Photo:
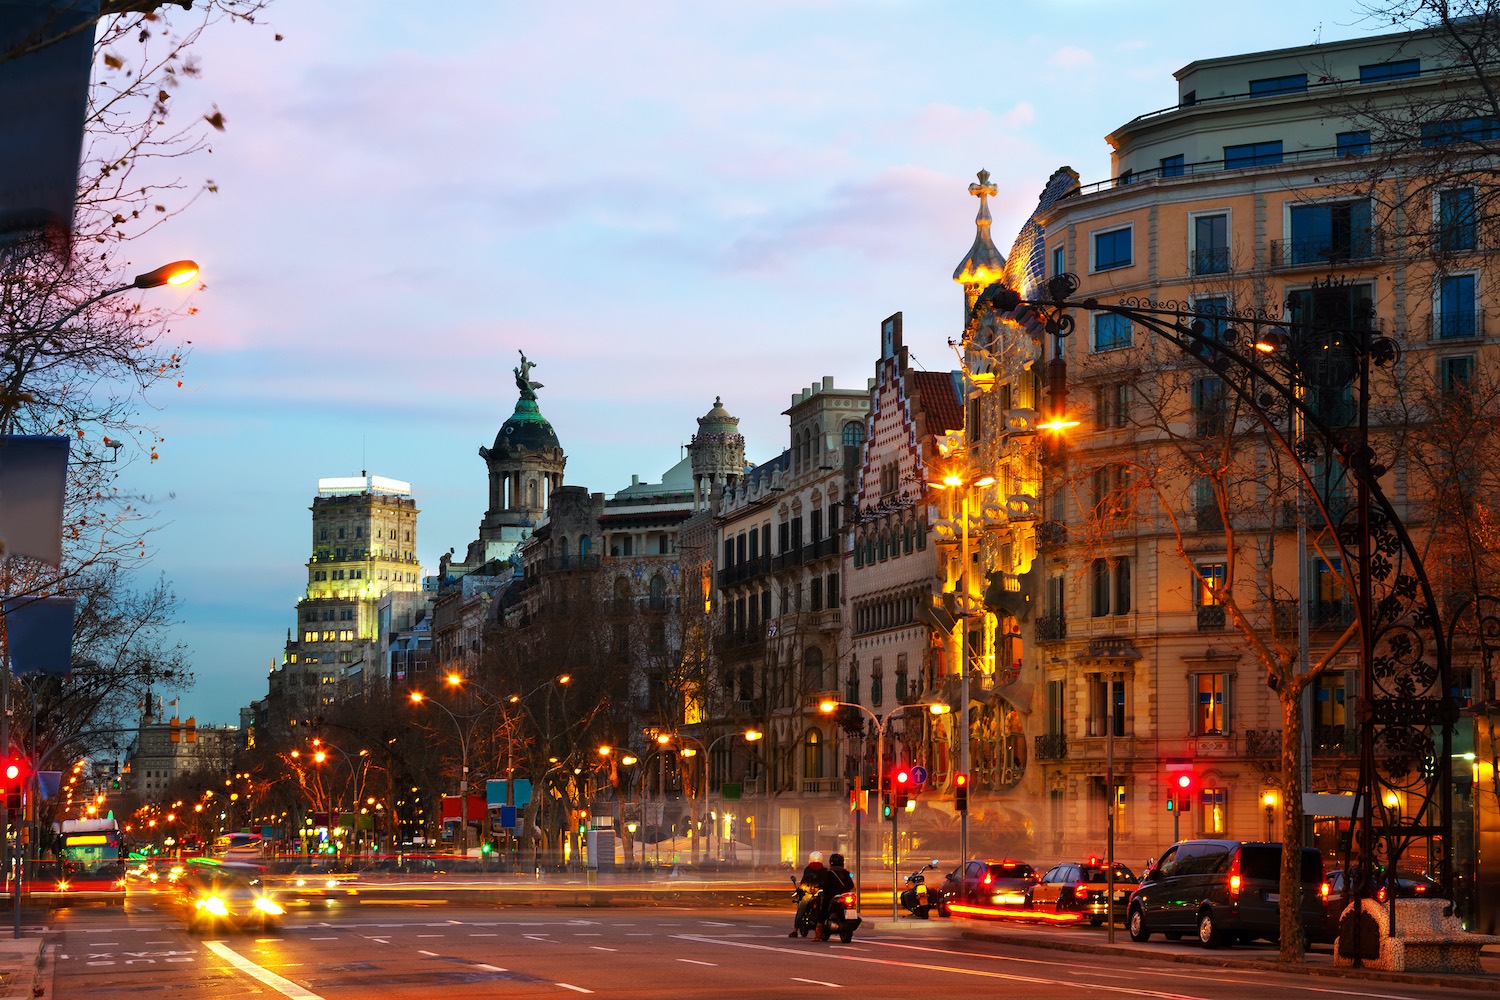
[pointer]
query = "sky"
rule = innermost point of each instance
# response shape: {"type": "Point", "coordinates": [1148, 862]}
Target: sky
{"type": "Point", "coordinates": [659, 202]}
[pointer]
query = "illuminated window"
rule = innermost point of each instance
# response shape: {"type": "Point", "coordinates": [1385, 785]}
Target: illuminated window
{"type": "Point", "coordinates": [1211, 704]}
{"type": "Point", "coordinates": [1213, 816]}
{"type": "Point", "coordinates": [1211, 577]}
{"type": "Point", "coordinates": [309, 637]}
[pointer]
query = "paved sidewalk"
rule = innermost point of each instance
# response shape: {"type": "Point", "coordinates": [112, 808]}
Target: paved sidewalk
{"type": "Point", "coordinates": [21, 967]}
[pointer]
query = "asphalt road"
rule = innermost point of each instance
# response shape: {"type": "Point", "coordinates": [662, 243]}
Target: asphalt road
{"type": "Point", "coordinates": [445, 951]}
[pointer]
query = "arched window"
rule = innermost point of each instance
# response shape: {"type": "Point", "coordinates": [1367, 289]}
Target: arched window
{"type": "Point", "coordinates": [854, 433]}
{"type": "Point", "coordinates": [585, 546]}
{"type": "Point", "coordinates": [812, 758]}
{"type": "Point", "coordinates": [658, 593]}
{"type": "Point", "coordinates": [1099, 588]}
{"type": "Point", "coordinates": [812, 669]}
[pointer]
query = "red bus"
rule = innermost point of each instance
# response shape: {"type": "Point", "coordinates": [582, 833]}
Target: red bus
{"type": "Point", "coordinates": [91, 866]}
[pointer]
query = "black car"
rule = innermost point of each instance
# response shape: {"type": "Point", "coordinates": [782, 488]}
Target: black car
{"type": "Point", "coordinates": [987, 883]}
{"type": "Point", "coordinates": [223, 897]}
{"type": "Point", "coordinates": [1224, 891]}
{"type": "Point", "coordinates": [1082, 887]}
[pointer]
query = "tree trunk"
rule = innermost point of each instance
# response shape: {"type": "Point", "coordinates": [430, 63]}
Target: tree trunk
{"type": "Point", "coordinates": [1292, 934]}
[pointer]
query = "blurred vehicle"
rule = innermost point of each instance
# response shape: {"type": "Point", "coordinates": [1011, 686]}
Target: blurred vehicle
{"type": "Point", "coordinates": [919, 898]}
{"type": "Point", "coordinates": [216, 898]}
{"type": "Point", "coordinates": [1083, 887]}
{"type": "Point", "coordinates": [843, 918]}
{"type": "Point", "coordinates": [92, 869]}
{"type": "Point", "coordinates": [1337, 891]}
{"type": "Point", "coordinates": [1226, 891]}
{"type": "Point", "coordinates": [987, 883]}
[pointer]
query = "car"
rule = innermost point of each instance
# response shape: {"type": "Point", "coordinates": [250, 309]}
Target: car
{"type": "Point", "coordinates": [1225, 891]}
{"type": "Point", "coordinates": [215, 898]}
{"type": "Point", "coordinates": [987, 883]}
{"type": "Point", "coordinates": [1083, 887]}
{"type": "Point", "coordinates": [1336, 892]}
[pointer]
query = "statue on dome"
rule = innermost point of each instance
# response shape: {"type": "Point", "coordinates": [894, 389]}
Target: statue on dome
{"type": "Point", "coordinates": [527, 387]}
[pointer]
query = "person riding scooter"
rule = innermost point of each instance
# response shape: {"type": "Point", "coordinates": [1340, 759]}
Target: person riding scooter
{"type": "Point", "coordinates": [836, 882]}
{"type": "Point", "coordinates": [809, 893]}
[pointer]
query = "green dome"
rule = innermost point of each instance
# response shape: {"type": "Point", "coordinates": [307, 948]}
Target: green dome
{"type": "Point", "coordinates": [526, 430]}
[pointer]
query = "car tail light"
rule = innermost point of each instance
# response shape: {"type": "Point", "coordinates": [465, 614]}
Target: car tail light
{"type": "Point", "coordinates": [988, 878]}
{"type": "Point", "coordinates": [1324, 890]}
{"type": "Point", "coordinates": [1234, 876]}
{"type": "Point", "coordinates": [1380, 894]}
{"type": "Point", "coordinates": [847, 899]}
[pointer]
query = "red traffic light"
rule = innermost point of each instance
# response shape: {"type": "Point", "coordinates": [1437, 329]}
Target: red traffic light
{"type": "Point", "coordinates": [903, 777]}
{"type": "Point", "coordinates": [12, 770]}
{"type": "Point", "coordinates": [960, 780]}
{"type": "Point", "coordinates": [1184, 781]}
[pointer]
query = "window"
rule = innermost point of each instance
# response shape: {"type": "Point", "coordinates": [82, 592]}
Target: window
{"type": "Point", "coordinates": [1213, 310]}
{"type": "Point", "coordinates": [1122, 585]}
{"type": "Point", "coordinates": [1293, 84]}
{"type": "Point", "coordinates": [812, 764]}
{"type": "Point", "coordinates": [1457, 227]}
{"type": "Point", "coordinates": [1099, 588]}
{"type": "Point", "coordinates": [1111, 332]}
{"type": "Point", "coordinates": [1210, 704]}
{"type": "Point", "coordinates": [1328, 600]}
{"type": "Point", "coordinates": [1456, 312]}
{"type": "Point", "coordinates": [1398, 69]}
{"type": "Point", "coordinates": [1456, 373]}
{"type": "Point", "coordinates": [1329, 232]}
{"type": "Point", "coordinates": [1213, 812]}
{"type": "Point", "coordinates": [832, 586]}
{"type": "Point", "coordinates": [1252, 154]}
{"type": "Point", "coordinates": [1059, 259]}
{"type": "Point", "coordinates": [1099, 709]}
{"type": "Point", "coordinates": [1210, 580]}
{"type": "Point", "coordinates": [1210, 406]}
{"type": "Point", "coordinates": [877, 682]}
{"type": "Point", "coordinates": [1112, 405]}
{"type": "Point", "coordinates": [854, 434]}
{"type": "Point", "coordinates": [1352, 143]}
{"type": "Point", "coordinates": [812, 669]}
{"type": "Point", "coordinates": [1211, 244]}
{"type": "Point", "coordinates": [1329, 695]}
{"type": "Point", "coordinates": [1112, 249]}
{"type": "Point", "coordinates": [1172, 166]}
{"type": "Point", "coordinates": [1055, 702]}
{"type": "Point", "coordinates": [902, 679]}
{"type": "Point", "coordinates": [1446, 133]}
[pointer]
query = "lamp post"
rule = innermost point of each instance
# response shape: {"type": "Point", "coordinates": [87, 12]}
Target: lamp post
{"type": "Point", "coordinates": [418, 698]}
{"type": "Point", "coordinates": [750, 735]}
{"type": "Point", "coordinates": [828, 706]}
{"type": "Point", "coordinates": [179, 272]}
{"type": "Point", "coordinates": [967, 484]}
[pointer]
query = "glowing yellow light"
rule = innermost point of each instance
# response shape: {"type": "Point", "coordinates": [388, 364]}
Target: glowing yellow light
{"type": "Point", "coordinates": [689, 752]}
{"type": "Point", "coordinates": [1057, 424]}
{"type": "Point", "coordinates": [939, 709]}
{"type": "Point", "coordinates": [416, 696]}
{"type": "Point", "coordinates": [664, 739]}
{"type": "Point", "coordinates": [953, 479]}
{"type": "Point", "coordinates": [606, 751]}
{"type": "Point", "coordinates": [1391, 801]}
{"type": "Point", "coordinates": [985, 480]}
{"type": "Point", "coordinates": [455, 680]}
{"type": "Point", "coordinates": [1268, 799]}
{"type": "Point", "coordinates": [627, 759]}
{"type": "Point", "coordinates": [827, 705]}
{"type": "Point", "coordinates": [751, 735]}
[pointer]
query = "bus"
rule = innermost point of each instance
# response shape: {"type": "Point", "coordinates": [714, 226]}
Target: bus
{"type": "Point", "coordinates": [241, 847]}
{"type": "Point", "coordinates": [90, 866]}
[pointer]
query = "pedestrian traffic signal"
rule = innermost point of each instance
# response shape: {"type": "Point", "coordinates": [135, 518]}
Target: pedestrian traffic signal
{"type": "Point", "coordinates": [885, 805]}
{"type": "Point", "coordinates": [1171, 801]}
{"type": "Point", "coordinates": [961, 792]}
{"type": "Point", "coordinates": [1184, 793]}
{"type": "Point", "coordinates": [903, 788]}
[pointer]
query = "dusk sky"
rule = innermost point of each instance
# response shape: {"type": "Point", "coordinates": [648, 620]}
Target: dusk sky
{"type": "Point", "coordinates": [658, 202]}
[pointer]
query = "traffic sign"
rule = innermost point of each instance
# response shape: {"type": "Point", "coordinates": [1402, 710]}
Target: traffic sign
{"type": "Point", "coordinates": [918, 775]}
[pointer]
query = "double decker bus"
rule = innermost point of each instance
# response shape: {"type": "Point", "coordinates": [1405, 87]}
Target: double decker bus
{"type": "Point", "coordinates": [90, 866]}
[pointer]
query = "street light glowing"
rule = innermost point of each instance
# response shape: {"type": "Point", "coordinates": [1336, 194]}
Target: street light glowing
{"type": "Point", "coordinates": [416, 697]}
{"type": "Point", "coordinates": [827, 706]}
{"type": "Point", "coordinates": [751, 735]}
{"type": "Point", "coordinates": [937, 709]}
{"type": "Point", "coordinates": [454, 680]}
{"type": "Point", "coordinates": [179, 272]}
{"type": "Point", "coordinates": [664, 739]}
{"type": "Point", "coordinates": [606, 751]}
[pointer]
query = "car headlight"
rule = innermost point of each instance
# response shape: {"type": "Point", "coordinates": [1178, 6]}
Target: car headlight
{"type": "Point", "coordinates": [267, 905]}
{"type": "Point", "coordinates": [214, 905]}
{"type": "Point", "coordinates": [62, 886]}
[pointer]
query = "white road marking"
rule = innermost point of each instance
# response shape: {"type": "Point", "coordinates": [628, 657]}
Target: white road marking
{"type": "Point", "coordinates": [281, 985]}
{"type": "Point", "coordinates": [600, 947]}
{"type": "Point", "coordinates": [431, 935]}
{"type": "Point", "coordinates": [484, 935]}
{"type": "Point", "coordinates": [491, 968]}
{"type": "Point", "coordinates": [429, 954]}
{"type": "Point", "coordinates": [694, 961]}
{"type": "Point", "coordinates": [575, 989]}
{"type": "Point", "coordinates": [323, 939]}
{"type": "Point", "coordinates": [817, 982]}
{"type": "Point", "coordinates": [845, 956]}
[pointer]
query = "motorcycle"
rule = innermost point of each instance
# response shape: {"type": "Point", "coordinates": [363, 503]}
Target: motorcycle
{"type": "Point", "coordinates": [808, 904]}
{"type": "Point", "coordinates": [843, 918]}
{"type": "Point", "coordinates": [918, 897]}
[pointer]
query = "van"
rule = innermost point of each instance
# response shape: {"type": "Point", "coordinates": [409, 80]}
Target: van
{"type": "Point", "coordinates": [1224, 891]}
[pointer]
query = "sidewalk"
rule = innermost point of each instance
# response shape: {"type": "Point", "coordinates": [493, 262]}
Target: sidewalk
{"type": "Point", "coordinates": [21, 966]}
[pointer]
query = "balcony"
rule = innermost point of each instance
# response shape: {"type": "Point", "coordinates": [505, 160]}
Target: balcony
{"type": "Point", "coordinates": [1262, 743]}
{"type": "Point", "coordinates": [821, 786]}
{"type": "Point", "coordinates": [1330, 614]}
{"type": "Point", "coordinates": [1052, 533]}
{"type": "Point", "coordinates": [1335, 741]}
{"type": "Point", "coordinates": [1455, 325]}
{"type": "Point", "coordinates": [1210, 617]}
{"type": "Point", "coordinates": [1211, 260]}
{"type": "Point", "coordinates": [1052, 746]}
{"type": "Point", "coordinates": [1323, 251]}
{"type": "Point", "coordinates": [819, 550]}
{"type": "Point", "coordinates": [1209, 518]}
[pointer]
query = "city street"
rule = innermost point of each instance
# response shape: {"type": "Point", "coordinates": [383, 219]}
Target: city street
{"type": "Point", "coordinates": [412, 950]}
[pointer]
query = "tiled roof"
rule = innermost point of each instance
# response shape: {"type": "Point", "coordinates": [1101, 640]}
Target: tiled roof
{"type": "Point", "coordinates": [937, 394]}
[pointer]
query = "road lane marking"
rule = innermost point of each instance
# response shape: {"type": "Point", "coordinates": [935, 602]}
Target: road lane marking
{"type": "Point", "coordinates": [575, 989]}
{"type": "Point", "coordinates": [694, 961]}
{"type": "Point", "coordinates": [1309, 989]}
{"type": "Point", "coordinates": [280, 984]}
{"type": "Point", "coordinates": [817, 982]}
{"type": "Point", "coordinates": [844, 956]}
{"type": "Point", "coordinates": [489, 968]}
{"type": "Point", "coordinates": [600, 947]}
{"type": "Point", "coordinates": [431, 935]}
{"type": "Point", "coordinates": [429, 954]}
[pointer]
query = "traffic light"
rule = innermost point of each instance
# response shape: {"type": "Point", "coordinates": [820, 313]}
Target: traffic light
{"type": "Point", "coordinates": [961, 792]}
{"type": "Point", "coordinates": [1171, 801]}
{"type": "Point", "coordinates": [885, 805]}
{"type": "Point", "coordinates": [903, 788]}
{"type": "Point", "coordinates": [15, 774]}
{"type": "Point", "coordinates": [1184, 793]}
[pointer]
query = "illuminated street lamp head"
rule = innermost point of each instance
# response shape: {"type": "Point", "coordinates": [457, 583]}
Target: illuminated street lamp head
{"type": "Point", "coordinates": [1268, 799]}
{"type": "Point", "coordinates": [689, 752]}
{"type": "Point", "coordinates": [564, 678]}
{"type": "Point", "coordinates": [985, 480]}
{"type": "Point", "coordinates": [606, 751]}
{"type": "Point", "coordinates": [936, 708]}
{"type": "Point", "coordinates": [663, 739]}
{"type": "Point", "coordinates": [454, 680]}
{"type": "Point", "coordinates": [827, 706]}
{"type": "Point", "coordinates": [416, 697]}
{"type": "Point", "coordinates": [751, 735]}
{"type": "Point", "coordinates": [627, 759]}
{"type": "Point", "coordinates": [1272, 340]}
{"type": "Point", "coordinates": [320, 756]}
{"type": "Point", "coordinates": [179, 272]}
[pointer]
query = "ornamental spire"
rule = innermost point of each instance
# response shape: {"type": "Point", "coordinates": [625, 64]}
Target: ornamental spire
{"type": "Point", "coordinates": [983, 265]}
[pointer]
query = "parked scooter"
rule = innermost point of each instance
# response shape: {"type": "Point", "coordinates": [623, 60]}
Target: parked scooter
{"type": "Point", "coordinates": [808, 904]}
{"type": "Point", "coordinates": [918, 897]}
{"type": "Point", "coordinates": [843, 918]}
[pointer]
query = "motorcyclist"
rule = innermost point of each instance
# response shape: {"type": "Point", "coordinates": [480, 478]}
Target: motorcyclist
{"type": "Point", "coordinates": [807, 888]}
{"type": "Point", "coordinates": [836, 881]}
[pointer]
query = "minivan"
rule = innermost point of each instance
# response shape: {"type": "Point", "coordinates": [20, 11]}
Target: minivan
{"type": "Point", "coordinates": [1224, 891]}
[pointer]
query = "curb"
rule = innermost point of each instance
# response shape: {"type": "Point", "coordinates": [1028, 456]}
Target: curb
{"type": "Point", "coordinates": [1488, 982]}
